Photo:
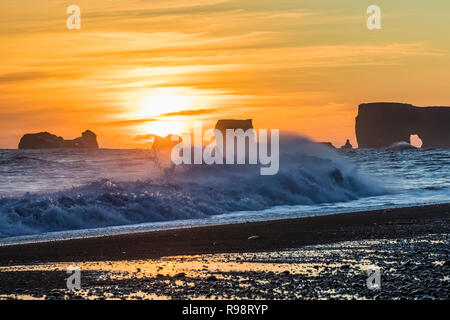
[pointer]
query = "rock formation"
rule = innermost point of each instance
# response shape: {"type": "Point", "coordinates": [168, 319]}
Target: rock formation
{"type": "Point", "coordinates": [347, 145]}
{"type": "Point", "coordinates": [379, 125]}
{"type": "Point", "coordinates": [233, 124]}
{"type": "Point", "coordinates": [166, 143]}
{"type": "Point", "coordinates": [45, 140]}
{"type": "Point", "coordinates": [225, 124]}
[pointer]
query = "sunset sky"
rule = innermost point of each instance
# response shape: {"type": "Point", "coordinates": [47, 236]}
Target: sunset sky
{"type": "Point", "coordinates": [154, 66]}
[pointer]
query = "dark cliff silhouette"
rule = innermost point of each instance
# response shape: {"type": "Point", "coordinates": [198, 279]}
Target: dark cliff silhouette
{"type": "Point", "coordinates": [233, 124]}
{"type": "Point", "coordinates": [225, 124]}
{"type": "Point", "coordinates": [45, 140]}
{"type": "Point", "coordinates": [379, 125]}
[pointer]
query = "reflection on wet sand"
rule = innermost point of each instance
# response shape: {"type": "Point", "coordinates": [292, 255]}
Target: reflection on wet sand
{"type": "Point", "coordinates": [411, 268]}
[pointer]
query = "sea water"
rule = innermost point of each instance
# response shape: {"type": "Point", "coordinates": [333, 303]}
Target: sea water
{"type": "Point", "coordinates": [69, 193]}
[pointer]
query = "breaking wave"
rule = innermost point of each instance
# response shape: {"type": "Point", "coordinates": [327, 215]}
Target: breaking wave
{"type": "Point", "coordinates": [309, 174]}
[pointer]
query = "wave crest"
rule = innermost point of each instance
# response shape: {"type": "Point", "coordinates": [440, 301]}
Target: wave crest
{"type": "Point", "coordinates": [309, 174]}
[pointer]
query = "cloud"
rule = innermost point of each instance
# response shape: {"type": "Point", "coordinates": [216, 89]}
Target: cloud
{"type": "Point", "coordinates": [128, 122]}
{"type": "Point", "coordinates": [21, 76]}
{"type": "Point", "coordinates": [144, 137]}
{"type": "Point", "coordinates": [190, 112]}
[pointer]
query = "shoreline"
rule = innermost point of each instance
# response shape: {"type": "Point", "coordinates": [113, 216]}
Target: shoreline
{"type": "Point", "coordinates": [268, 235]}
{"type": "Point", "coordinates": [121, 230]}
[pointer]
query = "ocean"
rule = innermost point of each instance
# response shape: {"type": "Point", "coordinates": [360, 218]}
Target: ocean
{"type": "Point", "coordinates": [70, 193]}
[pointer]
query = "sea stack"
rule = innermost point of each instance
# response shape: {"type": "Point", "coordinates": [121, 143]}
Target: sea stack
{"type": "Point", "coordinates": [46, 140]}
{"type": "Point", "coordinates": [347, 145]}
{"type": "Point", "coordinates": [225, 124]}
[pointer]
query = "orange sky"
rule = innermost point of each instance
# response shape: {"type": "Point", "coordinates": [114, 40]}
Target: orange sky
{"type": "Point", "coordinates": [155, 66]}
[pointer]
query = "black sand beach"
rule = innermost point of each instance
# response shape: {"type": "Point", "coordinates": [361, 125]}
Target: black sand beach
{"type": "Point", "coordinates": [305, 258]}
{"type": "Point", "coordinates": [271, 235]}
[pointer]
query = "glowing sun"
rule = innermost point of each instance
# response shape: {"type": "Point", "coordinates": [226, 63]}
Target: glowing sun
{"type": "Point", "coordinates": [159, 102]}
{"type": "Point", "coordinates": [162, 104]}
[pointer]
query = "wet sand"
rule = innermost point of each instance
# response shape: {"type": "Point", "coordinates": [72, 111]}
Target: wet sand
{"type": "Point", "coordinates": [412, 268]}
{"type": "Point", "coordinates": [308, 258]}
{"type": "Point", "coordinates": [270, 235]}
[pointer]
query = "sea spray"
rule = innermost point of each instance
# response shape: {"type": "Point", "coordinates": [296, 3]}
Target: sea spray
{"type": "Point", "coordinates": [309, 174]}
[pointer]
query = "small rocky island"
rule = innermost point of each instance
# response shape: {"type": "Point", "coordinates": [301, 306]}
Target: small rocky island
{"type": "Point", "coordinates": [347, 145]}
{"type": "Point", "coordinates": [45, 140]}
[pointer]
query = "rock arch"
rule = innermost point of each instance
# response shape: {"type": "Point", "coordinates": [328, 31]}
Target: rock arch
{"type": "Point", "coordinates": [379, 125]}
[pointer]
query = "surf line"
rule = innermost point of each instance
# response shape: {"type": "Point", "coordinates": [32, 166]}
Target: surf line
{"type": "Point", "coordinates": [234, 144]}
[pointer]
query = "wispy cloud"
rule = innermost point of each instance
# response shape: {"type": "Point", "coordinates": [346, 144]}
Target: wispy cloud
{"type": "Point", "coordinates": [21, 76]}
{"type": "Point", "coordinates": [190, 112]}
{"type": "Point", "coordinates": [126, 123]}
{"type": "Point", "coordinates": [272, 60]}
{"type": "Point", "coordinates": [142, 137]}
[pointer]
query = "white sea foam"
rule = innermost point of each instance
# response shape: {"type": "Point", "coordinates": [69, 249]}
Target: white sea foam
{"type": "Point", "coordinates": [310, 174]}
